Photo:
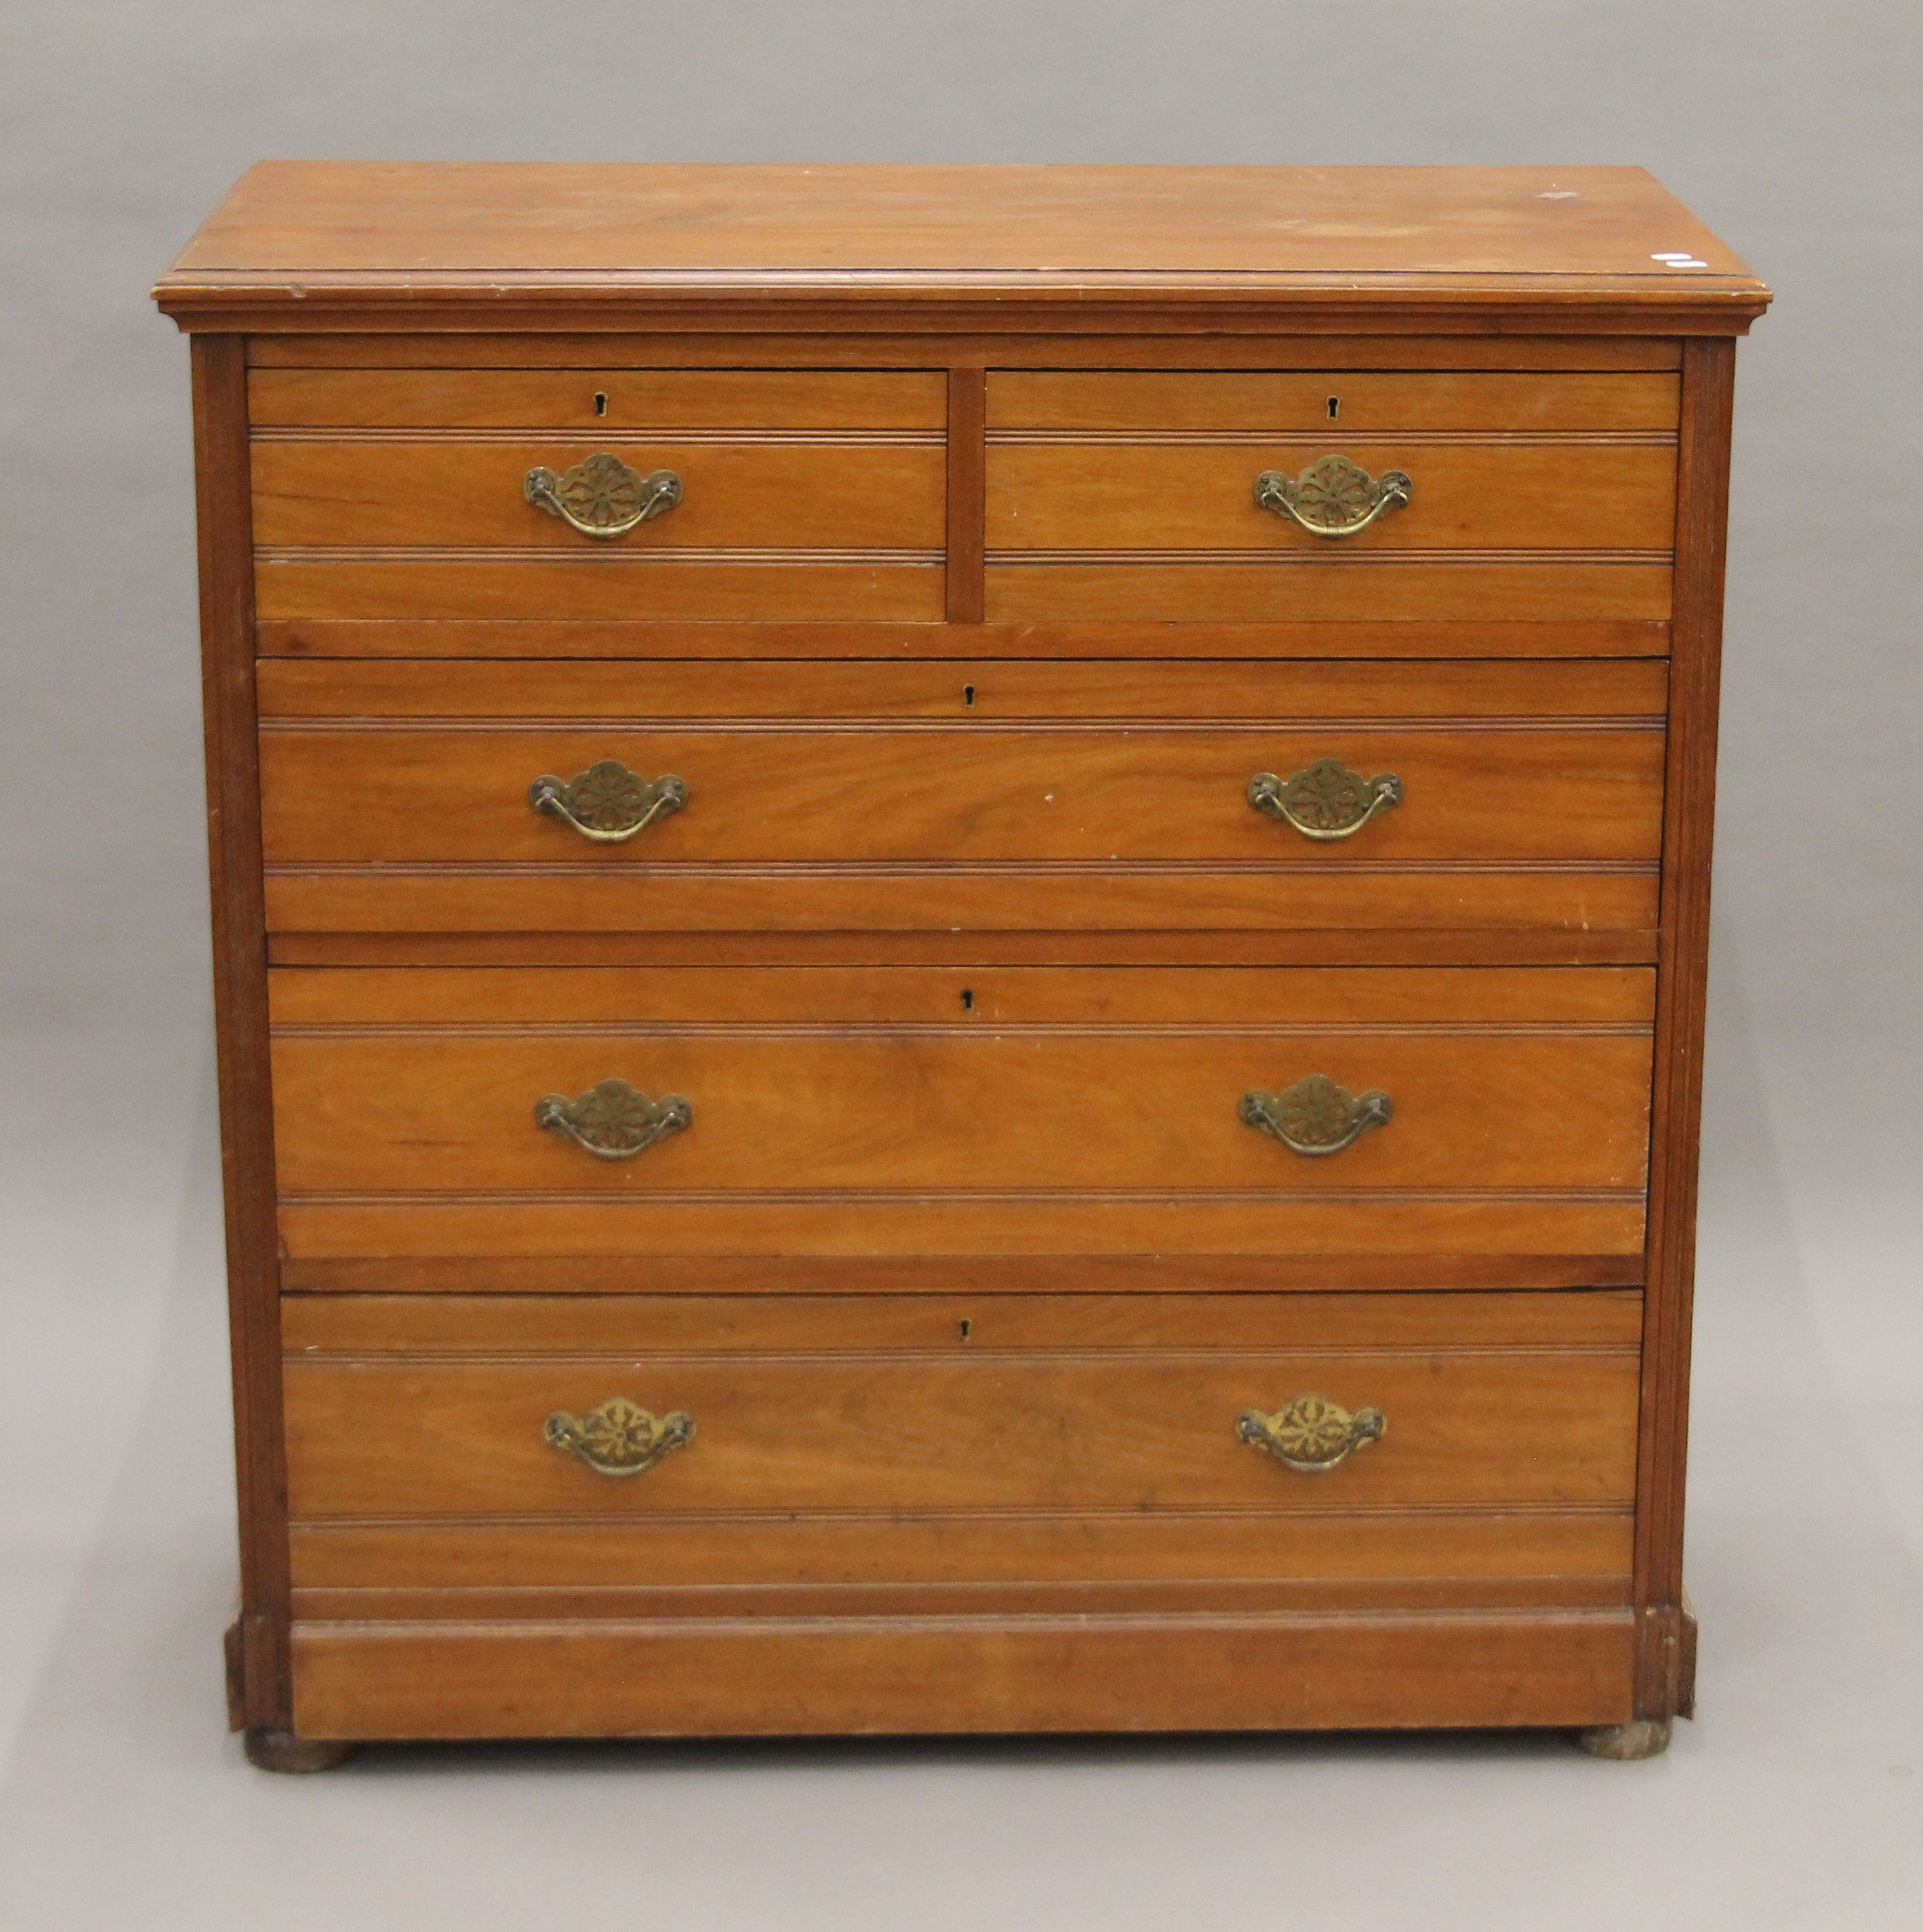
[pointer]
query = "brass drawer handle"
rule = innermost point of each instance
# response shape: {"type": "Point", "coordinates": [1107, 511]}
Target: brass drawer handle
{"type": "Point", "coordinates": [620, 1438]}
{"type": "Point", "coordinates": [607, 802]}
{"type": "Point", "coordinates": [1317, 1116]}
{"type": "Point", "coordinates": [613, 1121]}
{"type": "Point", "coordinates": [1334, 497]}
{"type": "Point", "coordinates": [1312, 1433]}
{"type": "Point", "coordinates": [601, 497]}
{"type": "Point", "coordinates": [1325, 800]}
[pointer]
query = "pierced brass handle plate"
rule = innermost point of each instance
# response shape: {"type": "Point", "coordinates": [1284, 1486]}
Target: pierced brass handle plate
{"type": "Point", "coordinates": [1312, 1434]}
{"type": "Point", "coordinates": [1334, 497]}
{"type": "Point", "coordinates": [1317, 1116]}
{"type": "Point", "coordinates": [613, 1121]}
{"type": "Point", "coordinates": [607, 802]}
{"type": "Point", "coordinates": [602, 496]}
{"type": "Point", "coordinates": [1325, 800]}
{"type": "Point", "coordinates": [620, 1438]}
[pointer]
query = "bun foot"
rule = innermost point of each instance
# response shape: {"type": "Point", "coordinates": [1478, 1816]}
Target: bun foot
{"type": "Point", "coordinates": [281, 1750]}
{"type": "Point", "coordinates": [1641, 1737]}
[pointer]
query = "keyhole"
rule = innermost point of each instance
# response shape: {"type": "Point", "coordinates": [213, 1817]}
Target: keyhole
{"type": "Point", "coordinates": [968, 696]}
{"type": "Point", "coordinates": [966, 1325]}
{"type": "Point", "coordinates": [1335, 407]}
{"type": "Point", "coordinates": [968, 999]}
{"type": "Point", "coordinates": [601, 403]}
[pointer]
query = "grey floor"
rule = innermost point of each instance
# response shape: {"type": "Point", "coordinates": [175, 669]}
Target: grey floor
{"type": "Point", "coordinates": [1794, 1800]}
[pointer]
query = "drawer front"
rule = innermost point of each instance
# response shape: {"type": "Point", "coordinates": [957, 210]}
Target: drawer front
{"type": "Point", "coordinates": [599, 400]}
{"type": "Point", "coordinates": [392, 494]}
{"type": "Point", "coordinates": [852, 1450]}
{"type": "Point", "coordinates": [1143, 494]}
{"type": "Point", "coordinates": [930, 1112]}
{"type": "Point", "coordinates": [894, 796]}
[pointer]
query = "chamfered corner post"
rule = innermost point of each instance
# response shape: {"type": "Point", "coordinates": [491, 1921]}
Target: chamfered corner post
{"type": "Point", "coordinates": [258, 1665]}
{"type": "Point", "coordinates": [1666, 1632]}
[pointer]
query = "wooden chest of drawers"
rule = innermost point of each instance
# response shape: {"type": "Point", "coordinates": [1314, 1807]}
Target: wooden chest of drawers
{"type": "Point", "coordinates": [960, 924]}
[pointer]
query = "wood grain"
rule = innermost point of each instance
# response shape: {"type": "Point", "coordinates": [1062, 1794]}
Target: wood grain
{"type": "Point", "coordinates": [1383, 588]}
{"type": "Point", "coordinates": [1368, 400]}
{"type": "Point", "coordinates": [318, 245]}
{"type": "Point", "coordinates": [778, 1435]}
{"type": "Point", "coordinates": [404, 1680]}
{"type": "Point", "coordinates": [983, 897]}
{"type": "Point", "coordinates": [1484, 999]}
{"type": "Point", "coordinates": [1489, 947]}
{"type": "Point", "coordinates": [451, 493]}
{"type": "Point", "coordinates": [943, 1111]}
{"type": "Point", "coordinates": [374, 1326]}
{"type": "Point", "coordinates": [1708, 382]}
{"type": "Point", "coordinates": [613, 399]}
{"type": "Point", "coordinates": [240, 1008]}
{"type": "Point", "coordinates": [574, 586]}
{"type": "Point", "coordinates": [967, 408]}
{"type": "Point", "coordinates": [966, 638]}
{"type": "Point", "coordinates": [765, 795]}
{"type": "Point", "coordinates": [1182, 639]}
{"type": "Point", "coordinates": [1629, 691]}
{"type": "Point", "coordinates": [1153, 496]}
{"type": "Point", "coordinates": [612, 349]}
{"type": "Point", "coordinates": [1339, 1236]}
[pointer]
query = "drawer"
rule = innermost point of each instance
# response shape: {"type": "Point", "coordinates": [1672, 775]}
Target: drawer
{"type": "Point", "coordinates": [1142, 494]}
{"type": "Point", "coordinates": [520, 1455]}
{"type": "Point", "coordinates": [390, 494]}
{"type": "Point", "coordinates": [399, 796]}
{"type": "Point", "coordinates": [915, 1111]}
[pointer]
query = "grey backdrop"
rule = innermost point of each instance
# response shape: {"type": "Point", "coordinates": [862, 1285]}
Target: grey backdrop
{"type": "Point", "coordinates": [1794, 131]}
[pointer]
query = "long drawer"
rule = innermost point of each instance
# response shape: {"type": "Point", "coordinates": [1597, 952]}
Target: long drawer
{"type": "Point", "coordinates": [913, 1111]}
{"type": "Point", "coordinates": [523, 797]}
{"type": "Point", "coordinates": [644, 1455]}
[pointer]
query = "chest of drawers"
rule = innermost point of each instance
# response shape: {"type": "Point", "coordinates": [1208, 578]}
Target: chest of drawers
{"type": "Point", "coordinates": [960, 927]}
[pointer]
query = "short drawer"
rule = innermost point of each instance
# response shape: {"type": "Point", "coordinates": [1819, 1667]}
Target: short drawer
{"type": "Point", "coordinates": [919, 1112]}
{"type": "Point", "coordinates": [634, 1455]}
{"type": "Point", "coordinates": [1337, 495]}
{"type": "Point", "coordinates": [578, 494]}
{"type": "Point", "coordinates": [605, 797]}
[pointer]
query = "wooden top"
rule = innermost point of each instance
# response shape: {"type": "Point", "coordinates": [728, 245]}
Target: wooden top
{"type": "Point", "coordinates": [307, 245]}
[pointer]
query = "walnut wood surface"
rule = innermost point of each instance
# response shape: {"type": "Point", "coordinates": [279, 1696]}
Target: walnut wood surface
{"type": "Point", "coordinates": [1368, 400]}
{"type": "Point", "coordinates": [1491, 946]}
{"type": "Point", "coordinates": [305, 243]}
{"type": "Point", "coordinates": [610, 581]}
{"type": "Point", "coordinates": [1148, 496]}
{"type": "Point", "coordinates": [615, 401]}
{"type": "Point", "coordinates": [1376, 588]}
{"type": "Point", "coordinates": [1466, 1237]}
{"type": "Point", "coordinates": [973, 1431]}
{"type": "Point", "coordinates": [258, 1690]}
{"type": "Point", "coordinates": [377, 1326]}
{"type": "Point", "coordinates": [1630, 691]}
{"type": "Point", "coordinates": [943, 1111]}
{"type": "Point", "coordinates": [956, 1674]}
{"type": "Point", "coordinates": [1616, 999]}
{"type": "Point", "coordinates": [766, 796]}
{"type": "Point", "coordinates": [452, 494]}
{"type": "Point", "coordinates": [1665, 1665]}
{"type": "Point", "coordinates": [1174, 640]}
{"type": "Point", "coordinates": [967, 612]}
{"type": "Point", "coordinates": [982, 897]}
{"type": "Point", "coordinates": [1143, 349]}
{"type": "Point", "coordinates": [405, 1135]}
